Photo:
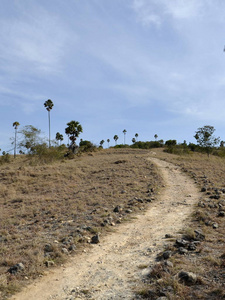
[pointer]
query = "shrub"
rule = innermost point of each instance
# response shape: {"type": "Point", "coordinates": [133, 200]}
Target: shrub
{"type": "Point", "coordinates": [87, 146]}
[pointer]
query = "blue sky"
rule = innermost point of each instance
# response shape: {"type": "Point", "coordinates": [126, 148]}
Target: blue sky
{"type": "Point", "coordinates": [147, 66]}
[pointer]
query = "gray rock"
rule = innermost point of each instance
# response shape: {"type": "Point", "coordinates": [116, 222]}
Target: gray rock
{"type": "Point", "coordinates": [167, 254]}
{"type": "Point", "coordinates": [187, 277]}
{"type": "Point", "coordinates": [48, 248]}
{"type": "Point", "coordinates": [168, 263]}
{"type": "Point", "coordinates": [72, 248]}
{"type": "Point", "coordinates": [221, 213]}
{"type": "Point", "coordinates": [64, 250]}
{"type": "Point", "coordinates": [118, 208]}
{"type": "Point", "coordinates": [183, 250]}
{"type": "Point", "coordinates": [49, 263]}
{"type": "Point", "coordinates": [16, 268]}
{"type": "Point", "coordinates": [192, 247]}
{"type": "Point", "coordinates": [168, 236]}
{"type": "Point", "coordinates": [215, 225]}
{"type": "Point", "coordinates": [95, 239]}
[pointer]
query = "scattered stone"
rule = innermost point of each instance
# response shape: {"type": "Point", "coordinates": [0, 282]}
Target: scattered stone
{"type": "Point", "coordinates": [122, 161]}
{"type": "Point", "coordinates": [128, 211]}
{"type": "Point", "coordinates": [168, 236]}
{"type": "Point", "coordinates": [95, 239]}
{"type": "Point", "coordinates": [167, 254]}
{"type": "Point", "coordinates": [49, 263]}
{"type": "Point", "coordinates": [16, 268]}
{"type": "Point", "coordinates": [215, 225]}
{"type": "Point", "coordinates": [181, 243]}
{"type": "Point", "coordinates": [72, 248]}
{"type": "Point", "coordinates": [168, 263]}
{"type": "Point", "coordinates": [183, 250]}
{"type": "Point", "coordinates": [192, 246]}
{"type": "Point", "coordinates": [48, 248]}
{"type": "Point", "coordinates": [199, 236]}
{"type": "Point", "coordinates": [187, 277]}
{"type": "Point", "coordinates": [64, 250]}
{"type": "Point", "coordinates": [118, 208]}
{"type": "Point", "coordinates": [221, 213]}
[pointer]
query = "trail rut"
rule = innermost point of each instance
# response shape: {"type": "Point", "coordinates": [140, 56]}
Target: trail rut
{"type": "Point", "coordinates": [113, 268]}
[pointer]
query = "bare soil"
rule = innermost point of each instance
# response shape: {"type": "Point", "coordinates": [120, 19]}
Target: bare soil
{"type": "Point", "coordinates": [114, 268]}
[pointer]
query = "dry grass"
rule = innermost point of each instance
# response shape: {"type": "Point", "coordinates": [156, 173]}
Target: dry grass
{"type": "Point", "coordinates": [208, 260]}
{"type": "Point", "coordinates": [63, 204]}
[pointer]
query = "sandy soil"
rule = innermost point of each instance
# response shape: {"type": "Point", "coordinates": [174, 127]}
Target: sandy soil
{"type": "Point", "coordinates": [113, 268]}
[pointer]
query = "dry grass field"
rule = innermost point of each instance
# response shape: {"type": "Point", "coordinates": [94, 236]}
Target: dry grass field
{"type": "Point", "coordinates": [208, 261]}
{"type": "Point", "coordinates": [63, 204]}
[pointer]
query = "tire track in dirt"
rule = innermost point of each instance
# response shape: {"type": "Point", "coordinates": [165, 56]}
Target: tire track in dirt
{"type": "Point", "coordinates": [111, 269]}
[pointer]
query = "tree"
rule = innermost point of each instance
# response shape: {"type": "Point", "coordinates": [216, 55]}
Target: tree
{"type": "Point", "coordinates": [31, 138]}
{"type": "Point", "coordinates": [156, 136]}
{"type": "Point", "coordinates": [59, 137]}
{"type": "Point", "coordinates": [108, 140]}
{"type": "Point", "coordinates": [136, 136]}
{"type": "Point", "coordinates": [15, 125]}
{"type": "Point", "coordinates": [115, 138]}
{"type": "Point", "coordinates": [49, 105]}
{"type": "Point", "coordinates": [133, 140]}
{"type": "Point", "coordinates": [124, 132]}
{"type": "Point", "coordinates": [73, 130]}
{"type": "Point", "coordinates": [101, 143]}
{"type": "Point", "coordinates": [205, 139]}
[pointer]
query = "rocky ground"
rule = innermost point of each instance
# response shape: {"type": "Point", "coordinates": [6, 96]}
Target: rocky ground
{"type": "Point", "coordinates": [115, 264]}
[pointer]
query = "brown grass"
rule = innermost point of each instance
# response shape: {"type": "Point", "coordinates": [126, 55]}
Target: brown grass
{"type": "Point", "coordinates": [208, 260]}
{"type": "Point", "coordinates": [63, 204]}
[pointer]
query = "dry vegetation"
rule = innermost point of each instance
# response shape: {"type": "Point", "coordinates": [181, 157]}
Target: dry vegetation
{"type": "Point", "coordinates": [208, 260]}
{"type": "Point", "coordinates": [49, 212]}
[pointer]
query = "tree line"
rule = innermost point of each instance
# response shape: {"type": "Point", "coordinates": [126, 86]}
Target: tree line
{"type": "Point", "coordinates": [31, 142]}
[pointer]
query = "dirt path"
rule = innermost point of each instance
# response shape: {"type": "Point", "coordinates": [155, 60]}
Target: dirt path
{"type": "Point", "coordinates": [112, 269]}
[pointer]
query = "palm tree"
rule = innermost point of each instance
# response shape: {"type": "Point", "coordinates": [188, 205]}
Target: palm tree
{"type": "Point", "coordinates": [108, 140]}
{"type": "Point", "coordinates": [15, 125]}
{"type": "Point", "coordinates": [115, 138]}
{"type": "Point", "coordinates": [101, 143]}
{"type": "Point", "coordinates": [73, 130]}
{"type": "Point", "coordinates": [136, 136]}
{"type": "Point", "coordinates": [156, 136]}
{"type": "Point", "coordinates": [124, 132]}
{"type": "Point", "coordinates": [59, 137]}
{"type": "Point", "coordinates": [49, 105]}
{"type": "Point", "coordinates": [133, 140]}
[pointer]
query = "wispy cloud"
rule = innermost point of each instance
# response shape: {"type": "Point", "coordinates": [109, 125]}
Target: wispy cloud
{"type": "Point", "coordinates": [33, 40]}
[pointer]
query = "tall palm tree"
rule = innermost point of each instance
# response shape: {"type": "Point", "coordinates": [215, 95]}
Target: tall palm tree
{"type": "Point", "coordinates": [156, 136]}
{"type": "Point", "coordinates": [108, 140]}
{"type": "Point", "coordinates": [124, 132]}
{"type": "Point", "coordinates": [73, 130]}
{"type": "Point", "coordinates": [59, 137]}
{"type": "Point", "coordinates": [49, 105]}
{"type": "Point", "coordinates": [15, 125]}
{"type": "Point", "coordinates": [115, 138]}
{"type": "Point", "coordinates": [101, 143]}
{"type": "Point", "coordinates": [136, 136]}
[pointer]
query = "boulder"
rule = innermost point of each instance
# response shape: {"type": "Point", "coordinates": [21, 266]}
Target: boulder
{"type": "Point", "coordinates": [16, 268]}
{"type": "Point", "coordinates": [188, 278]}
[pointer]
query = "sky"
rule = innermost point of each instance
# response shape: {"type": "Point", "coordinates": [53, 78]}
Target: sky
{"type": "Point", "coordinates": [147, 66]}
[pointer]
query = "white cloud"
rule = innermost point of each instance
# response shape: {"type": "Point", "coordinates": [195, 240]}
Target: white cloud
{"type": "Point", "coordinates": [34, 42]}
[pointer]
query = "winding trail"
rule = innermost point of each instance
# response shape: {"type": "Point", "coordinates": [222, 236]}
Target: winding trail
{"type": "Point", "coordinates": [113, 268]}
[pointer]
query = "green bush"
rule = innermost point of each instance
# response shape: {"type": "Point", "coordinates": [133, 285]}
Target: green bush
{"type": "Point", "coordinates": [86, 146]}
